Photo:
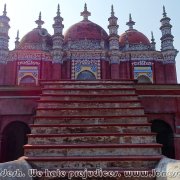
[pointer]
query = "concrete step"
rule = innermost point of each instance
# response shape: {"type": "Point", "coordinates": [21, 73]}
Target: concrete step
{"type": "Point", "coordinates": [90, 111]}
{"type": "Point", "coordinates": [129, 119]}
{"type": "Point", "coordinates": [87, 104]}
{"type": "Point", "coordinates": [92, 150]}
{"type": "Point", "coordinates": [86, 90]}
{"type": "Point", "coordinates": [91, 138]}
{"type": "Point", "coordinates": [89, 128]}
{"type": "Point", "coordinates": [90, 97]}
{"type": "Point", "coordinates": [91, 162]}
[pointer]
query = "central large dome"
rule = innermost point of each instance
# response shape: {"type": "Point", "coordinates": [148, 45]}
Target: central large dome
{"type": "Point", "coordinates": [85, 30]}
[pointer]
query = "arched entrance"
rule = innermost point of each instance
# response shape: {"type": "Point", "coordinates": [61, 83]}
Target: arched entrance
{"type": "Point", "coordinates": [15, 136]}
{"type": "Point", "coordinates": [164, 137]}
{"type": "Point", "coordinates": [86, 75]}
{"type": "Point", "coordinates": [143, 79]}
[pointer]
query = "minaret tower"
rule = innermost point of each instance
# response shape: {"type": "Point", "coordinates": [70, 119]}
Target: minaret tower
{"type": "Point", "coordinates": [4, 40]}
{"type": "Point", "coordinates": [113, 31]}
{"type": "Point", "coordinates": [113, 44]}
{"type": "Point", "coordinates": [168, 50]}
{"type": "Point", "coordinates": [58, 40]}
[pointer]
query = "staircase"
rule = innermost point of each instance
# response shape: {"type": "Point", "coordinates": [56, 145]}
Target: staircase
{"type": "Point", "coordinates": [91, 124]}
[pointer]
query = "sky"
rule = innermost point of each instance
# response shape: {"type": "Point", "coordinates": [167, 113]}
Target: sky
{"type": "Point", "coordinates": [146, 14]}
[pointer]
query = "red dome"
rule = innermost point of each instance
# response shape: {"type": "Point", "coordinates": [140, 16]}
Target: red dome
{"type": "Point", "coordinates": [85, 30]}
{"type": "Point", "coordinates": [134, 37]}
{"type": "Point", "coordinates": [36, 38]}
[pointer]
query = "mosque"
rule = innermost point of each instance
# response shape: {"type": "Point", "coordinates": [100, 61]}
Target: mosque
{"type": "Point", "coordinates": [86, 54]}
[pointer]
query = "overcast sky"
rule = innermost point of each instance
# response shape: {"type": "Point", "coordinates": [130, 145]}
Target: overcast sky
{"type": "Point", "coordinates": [146, 14]}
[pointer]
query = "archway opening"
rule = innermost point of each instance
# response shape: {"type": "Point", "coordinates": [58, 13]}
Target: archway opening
{"type": "Point", "coordinates": [28, 81]}
{"type": "Point", "coordinates": [164, 137]}
{"type": "Point", "coordinates": [143, 79]}
{"type": "Point", "coordinates": [15, 136]}
{"type": "Point", "coordinates": [86, 75]}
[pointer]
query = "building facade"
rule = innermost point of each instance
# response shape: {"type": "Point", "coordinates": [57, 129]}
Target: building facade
{"type": "Point", "coordinates": [87, 52]}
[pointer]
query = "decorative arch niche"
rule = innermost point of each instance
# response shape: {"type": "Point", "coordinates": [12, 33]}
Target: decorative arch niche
{"type": "Point", "coordinates": [28, 80]}
{"type": "Point", "coordinates": [86, 75]}
{"type": "Point", "coordinates": [143, 79]}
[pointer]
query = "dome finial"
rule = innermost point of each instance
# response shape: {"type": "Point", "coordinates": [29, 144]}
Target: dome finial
{"type": "Point", "coordinates": [164, 11]}
{"type": "Point", "coordinates": [39, 22]}
{"type": "Point", "coordinates": [4, 12]}
{"type": "Point", "coordinates": [112, 10]}
{"type": "Point", "coordinates": [85, 13]}
{"type": "Point", "coordinates": [131, 23]}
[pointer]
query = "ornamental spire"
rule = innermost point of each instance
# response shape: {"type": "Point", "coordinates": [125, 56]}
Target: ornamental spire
{"type": "Point", "coordinates": [153, 43]}
{"type": "Point", "coordinates": [164, 12]}
{"type": "Point", "coordinates": [17, 40]}
{"type": "Point", "coordinates": [4, 12]}
{"type": "Point", "coordinates": [85, 13]}
{"type": "Point", "coordinates": [112, 10]}
{"type": "Point", "coordinates": [152, 37]}
{"type": "Point", "coordinates": [39, 22]}
{"type": "Point", "coordinates": [131, 23]}
{"type": "Point", "coordinates": [58, 10]}
{"type": "Point", "coordinates": [17, 37]}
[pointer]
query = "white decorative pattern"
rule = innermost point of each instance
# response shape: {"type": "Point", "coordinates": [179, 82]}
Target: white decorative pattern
{"type": "Point", "coordinates": [85, 44]}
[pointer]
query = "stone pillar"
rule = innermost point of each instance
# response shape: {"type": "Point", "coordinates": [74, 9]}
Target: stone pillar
{"type": "Point", "coordinates": [1, 148]}
{"type": "Point", "coordinates": [56, 70]}
{"type": "Point", "coordinates": [177, 146]}
{"type": "Point", "coordinates": [115, 71]}
{"type": "Point", "coordinates": [170, 72]}
{"type": "Point", "coordinates": [159, 73]}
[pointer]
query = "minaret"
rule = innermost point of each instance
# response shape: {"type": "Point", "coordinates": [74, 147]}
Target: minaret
{"type": "Point", "coordinates": [113, 31]}
{"type": "Point", "coordinates": [153, 43]}
{"type": "Point", "coordinates": [58, 40]}
{"type": "Point", "coordinates": [17, 40]}
{"type": "Point", "coordinates": [167, 37]}
{"type": "Point", "coordinates": [113, 45]}
{"type": "Point", "coordinates": [4, 38]}
{"type": "Point", "coordinates": [168, 50]}
{"type": "Point", "coordinates": [4, 43]}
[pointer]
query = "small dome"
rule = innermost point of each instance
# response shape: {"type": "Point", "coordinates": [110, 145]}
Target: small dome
{"type": "Point", "coordinates": [133, 37]}
{"type": "Point", "coordinates": [38, 39]}
{"type": "Point", "coordinates": [85, 30]}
